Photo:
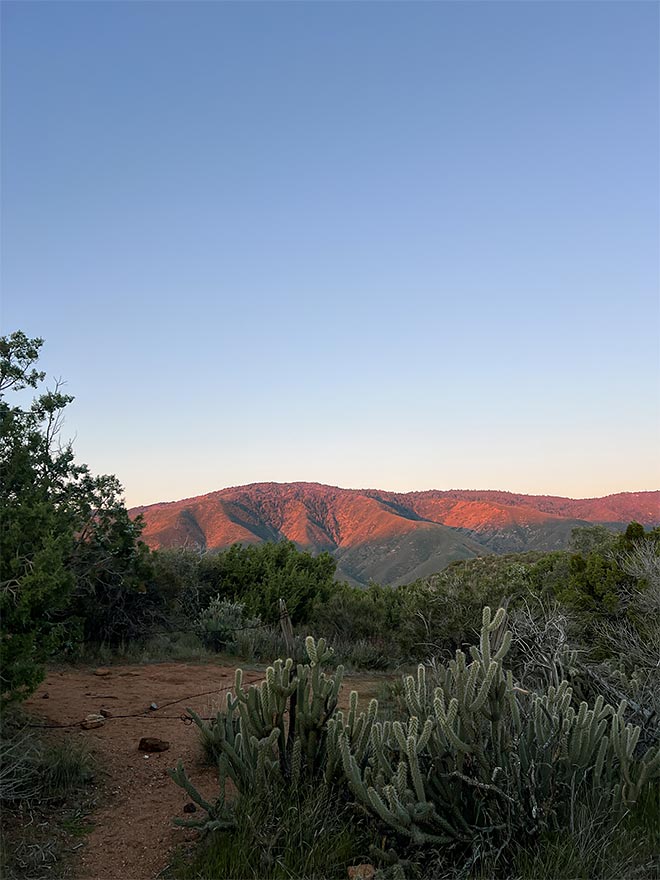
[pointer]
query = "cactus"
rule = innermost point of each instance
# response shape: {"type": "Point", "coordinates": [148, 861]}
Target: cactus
{"type": "Point", "coordinates": [474, 755]}
{"type": "Point", "coordinates": [278, 731]}
{"type": "Point", "coordinates": [218, 816]}
{"type": "Point", "coordinates": [478, 756]}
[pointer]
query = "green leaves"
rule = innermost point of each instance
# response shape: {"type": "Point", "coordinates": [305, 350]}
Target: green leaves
{"type": "Point", "coordinates": [17, 354]}
{"type": "Point", "coordinates": [68, 548]}
{"type": "Point", "coordinates": [258, 576]}
{"type": "Point", "coordinates": [36, 528]}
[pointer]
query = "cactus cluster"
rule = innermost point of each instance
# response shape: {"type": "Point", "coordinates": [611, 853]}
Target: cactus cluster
{"type": "Point", "coordinates": [473, 756]}
{"type": "Point", "coordinates": [278, 731]}
{"type": "Point", "coordinates": [479, 756]}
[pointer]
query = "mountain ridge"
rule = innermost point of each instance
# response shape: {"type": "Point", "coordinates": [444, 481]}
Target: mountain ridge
{"type": "Point", "coordinates": [394, 535]}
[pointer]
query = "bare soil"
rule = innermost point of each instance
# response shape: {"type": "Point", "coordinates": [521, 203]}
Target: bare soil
{"type": "Point", "coordinates": [133, 837]}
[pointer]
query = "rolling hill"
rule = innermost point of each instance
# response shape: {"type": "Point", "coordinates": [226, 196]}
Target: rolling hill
{"type": "Point", "coordinates": [388, 537]}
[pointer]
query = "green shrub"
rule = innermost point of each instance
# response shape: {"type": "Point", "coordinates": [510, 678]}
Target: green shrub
{"type": "Point", "coordinates": [443, 612]}
{"type": "Point", "coordinates": [71, 562]}
{"type": "Point", "coordinates": [353, 614]}
{"type": "Point", "coordinates": [175, 577]}
{"type": "Point", "coordinates": [258, 576]}
{"type": "Point", "coordinates": [601, 580]}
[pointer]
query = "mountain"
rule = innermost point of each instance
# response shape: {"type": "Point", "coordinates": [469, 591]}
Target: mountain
{"type": "Point", "coordinates": [388, 537]}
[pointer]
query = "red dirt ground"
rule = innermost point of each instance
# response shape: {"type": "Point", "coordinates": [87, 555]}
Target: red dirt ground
{"type": "Point", "coordinates": [133, 836]}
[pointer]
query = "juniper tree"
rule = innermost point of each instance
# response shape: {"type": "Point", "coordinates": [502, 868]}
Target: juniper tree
{"type": "Point", "coordinates": [70, 559]}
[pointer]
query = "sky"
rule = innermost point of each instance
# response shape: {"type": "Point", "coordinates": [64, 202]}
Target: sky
{"type": "Point", "coordinates": [389, 245]}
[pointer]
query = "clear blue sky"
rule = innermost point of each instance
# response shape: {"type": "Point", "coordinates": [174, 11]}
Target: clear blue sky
{"type": "Point", "coordinates": [393, 245]}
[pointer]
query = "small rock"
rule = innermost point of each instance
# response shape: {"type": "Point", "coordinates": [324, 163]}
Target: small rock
{"type": "Point", "coordinates": [190, 808]}
{"type": "Point", "coordinates": [153, 706]}
{"type": "Point", "coordinates": [102, 671]}
{"type": "Point", "coordinates": [45, 696]}
{"type": "Point", "coordinates": [152, 744]}
{"type": "Point", "coordinates": [92, 721]}
{"type": "Point", "coordinates": [106, 713]}
{"type": "Point", "coordinates": [361, 872]}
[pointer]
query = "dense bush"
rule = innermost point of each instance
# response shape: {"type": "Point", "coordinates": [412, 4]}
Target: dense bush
{"type": "Point", "coordinates": [113, 595]}
{"type": "Point", "coordinates": [355, 613]}
{"type": "Point", "coordinates": [601, 579]}
{"type": "Point", "coordinates": [175, 578]}
{"type": "Point", "coordinates": [36, 524]}
{"type": "Point", "coordinates": [383, 627]}
{"type": "Point", "coordinates": [174, 570]}
{"type": "Point", "coordinates": [72, 565]}
{"type": "Point", "coordinates": [259, 576]}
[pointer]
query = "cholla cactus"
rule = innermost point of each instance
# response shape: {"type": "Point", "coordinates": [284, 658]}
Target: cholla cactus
{"type": "Point", "coordinates": [280, 729]}
{"type": "Point", "coordinates": [350, 727]}
{"type": "Point", "coordinates": [475, 756]}
{"type": "Point", "coordinates": [480, 756]}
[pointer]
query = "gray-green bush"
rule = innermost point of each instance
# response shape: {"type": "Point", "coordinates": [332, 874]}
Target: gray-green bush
{"type": "Point", "coordinates": [220, 622]}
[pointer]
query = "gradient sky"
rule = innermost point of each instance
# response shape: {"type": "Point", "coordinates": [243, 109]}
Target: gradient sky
{"type": "Point", "coordinates": [392, 245]}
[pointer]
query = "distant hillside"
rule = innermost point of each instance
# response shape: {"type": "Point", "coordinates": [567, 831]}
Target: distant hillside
{"type": "Point", "coordinates": [388, 537]}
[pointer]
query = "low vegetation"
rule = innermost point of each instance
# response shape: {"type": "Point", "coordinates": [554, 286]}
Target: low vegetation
{"type": "Point", "coordinates": [46, 798]}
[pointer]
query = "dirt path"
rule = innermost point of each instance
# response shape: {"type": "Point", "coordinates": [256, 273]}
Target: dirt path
{"type": "Point", "coordinates": [133, 836]}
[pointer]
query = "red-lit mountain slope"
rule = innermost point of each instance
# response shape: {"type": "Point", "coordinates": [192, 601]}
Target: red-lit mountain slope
{"type": "Point", "coordinates": [386, 536]}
